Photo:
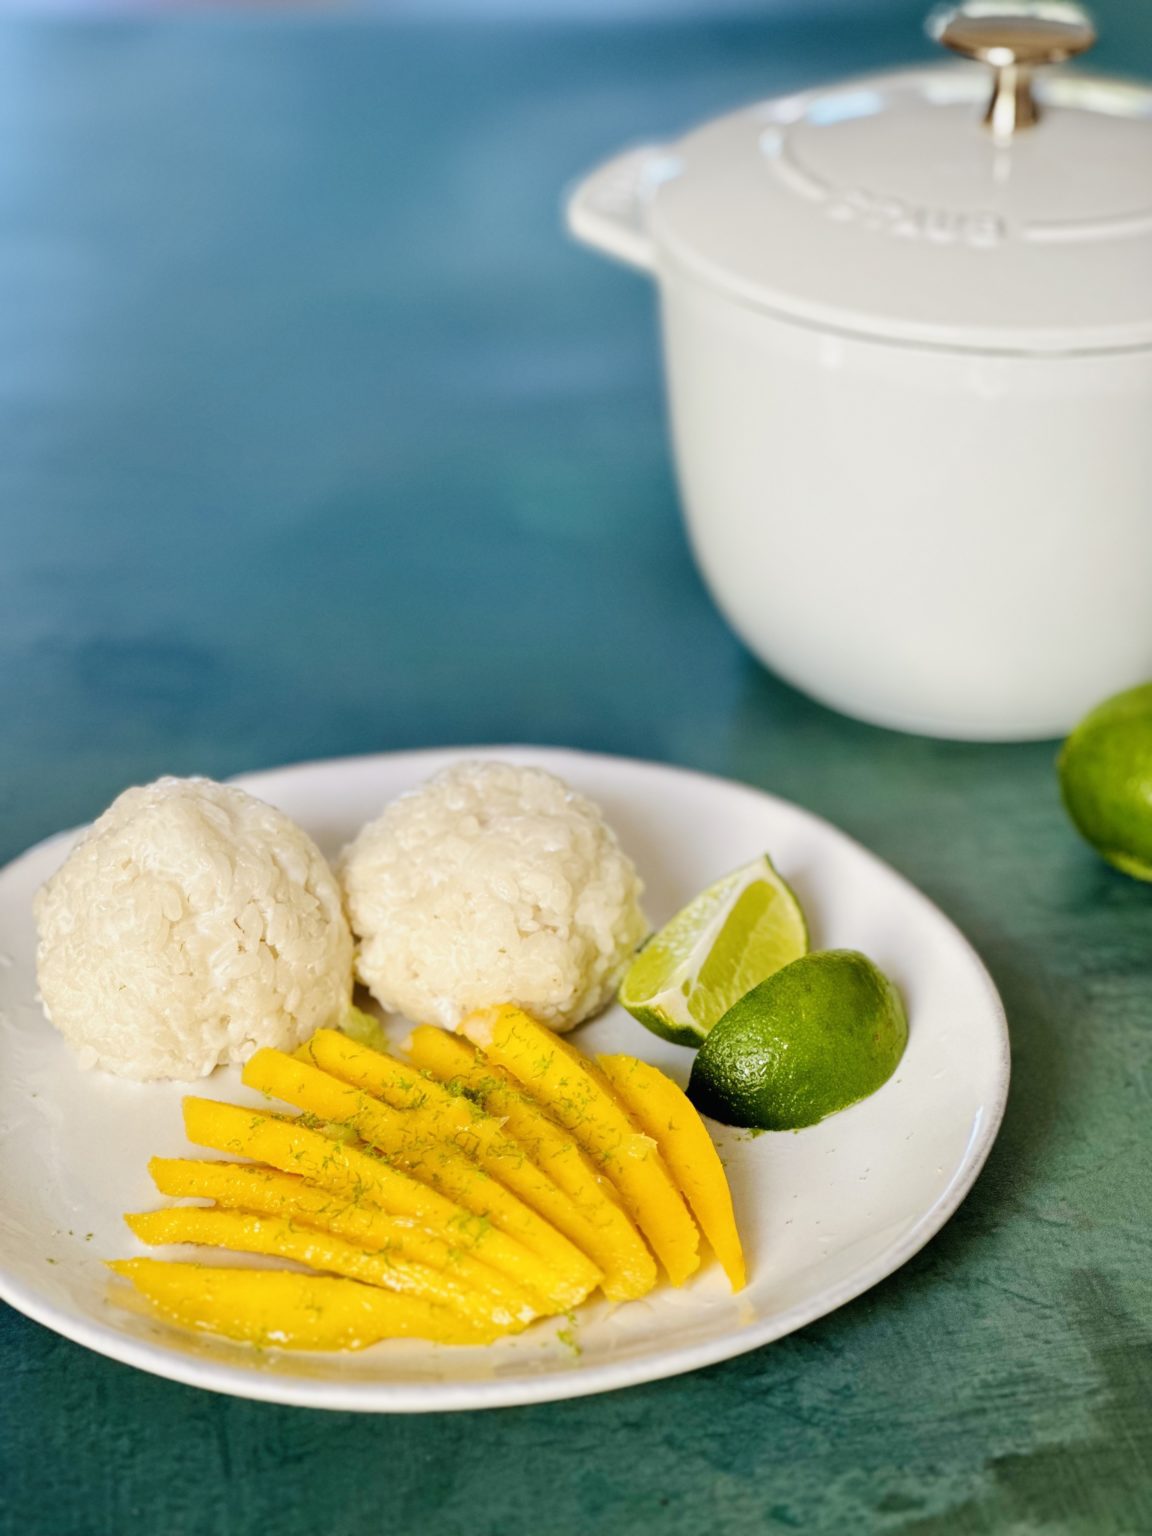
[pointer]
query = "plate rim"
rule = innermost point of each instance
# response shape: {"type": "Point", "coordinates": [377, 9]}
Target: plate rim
{"type": "Point", "coordinates": [157, 1359]}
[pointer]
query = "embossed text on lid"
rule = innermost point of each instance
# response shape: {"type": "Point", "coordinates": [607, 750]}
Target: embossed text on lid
{"type": "Point", "coordinates": [885, 206]}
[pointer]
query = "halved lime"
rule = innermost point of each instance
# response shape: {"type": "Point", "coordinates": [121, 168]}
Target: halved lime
{"type": "Point", "coordinates": [817, 1036]}
{"type": "Point", "coordinates": [732, 937]}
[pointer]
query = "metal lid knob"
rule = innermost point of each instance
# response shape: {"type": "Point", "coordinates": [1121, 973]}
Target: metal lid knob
{"type": "Point", "coordinates": [1014, 38]}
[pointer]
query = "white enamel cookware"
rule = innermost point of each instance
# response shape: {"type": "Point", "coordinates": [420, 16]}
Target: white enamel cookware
{"type": "Point", "coordinates": [908, 338]}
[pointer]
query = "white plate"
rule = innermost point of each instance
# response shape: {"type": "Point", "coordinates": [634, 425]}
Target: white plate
{"type": "Point", "coordinates": [825, 1212]}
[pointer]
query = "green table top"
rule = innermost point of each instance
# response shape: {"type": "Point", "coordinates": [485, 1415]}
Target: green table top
{"type": "Point", "coordinates": [318, 438]}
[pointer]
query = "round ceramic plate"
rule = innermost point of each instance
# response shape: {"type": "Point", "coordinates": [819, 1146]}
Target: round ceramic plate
{"type": "Point", "coordinates": [825, 1212]}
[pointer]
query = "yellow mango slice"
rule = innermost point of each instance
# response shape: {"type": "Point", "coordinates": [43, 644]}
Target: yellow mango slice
{"type": "Point", "coordinates": [266, 1192]}
{"type": "Point", "coordinates": [629, 1269]}
{"type": "Point", "coordinates": [603, 1232]}
{"type": "Point", "coordinates": [574, 1093]}
{"type": "Point", "coordinates": [295, 1148]}
{"type": "Point", "coordinates": [664, 1112]}
{"type": "Point", "coordinates": [283, 1310]}
{"type": "Point", "coordinates": [393, 1080]}
{"type": "Point", "coordinates": [442, 1166]}
{"type": "Point", "coordinates": [281, 1239]}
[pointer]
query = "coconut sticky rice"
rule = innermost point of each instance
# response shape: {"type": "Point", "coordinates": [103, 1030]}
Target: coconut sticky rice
{"type": "Point", "coordinates": [492, 883]}
{"type": "Point", "coordinates": [190, 925]}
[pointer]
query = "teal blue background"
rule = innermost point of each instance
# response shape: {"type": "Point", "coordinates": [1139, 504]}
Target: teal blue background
{"type": "Point", "coordinates": [317, 437]}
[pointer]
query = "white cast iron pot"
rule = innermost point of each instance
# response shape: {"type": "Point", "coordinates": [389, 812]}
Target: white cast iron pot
{"type": "Point", "coordinates": [909, 360]}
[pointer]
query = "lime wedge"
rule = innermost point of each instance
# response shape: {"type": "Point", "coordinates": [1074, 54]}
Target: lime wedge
{"type": "Point", "coordinates": [734, 935]}
{"type": "Point", "coordinates": [364, 1029]}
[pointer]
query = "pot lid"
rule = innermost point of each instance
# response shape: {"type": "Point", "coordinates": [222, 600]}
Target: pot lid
{"type": "Point", "coordinates": [936, 206]}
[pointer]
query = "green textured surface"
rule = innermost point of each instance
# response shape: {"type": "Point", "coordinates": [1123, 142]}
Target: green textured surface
{"type": "Point", "coordinates": [317, 438]}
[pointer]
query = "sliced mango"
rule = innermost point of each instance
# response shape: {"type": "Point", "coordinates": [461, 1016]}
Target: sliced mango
{"type": "Point", "coordinates": [295, 1148]}
{"type": "Point", "coordinates": [664, 1112]}
{"type": "Point", "coordinates": [448, 1170]}
{"type": "Point", "coordinates": [575, 1094]}
{"type": "Point", "coordinates": [600, 1230]}
{"type": "Point", "coordinates": [374, 1070]}
{"type": "Point", "coordinates": [274, 1236]}
{"type": "Point", "coordinates": [629, 1270]}
{"type": "Point", "coordinates": [283, 1310]}
{"type": "Point", "coordinates": [266, 1192]}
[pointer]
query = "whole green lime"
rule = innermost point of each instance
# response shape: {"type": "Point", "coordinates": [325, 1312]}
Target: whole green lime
{"type": "Point", "coordinates": [820, 1034]}
{"type": "Point", "coordinates": [1105, 770]}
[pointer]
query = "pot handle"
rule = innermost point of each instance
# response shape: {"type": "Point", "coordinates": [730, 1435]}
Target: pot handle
{"type": "Point", "coordinates": [608, 209]}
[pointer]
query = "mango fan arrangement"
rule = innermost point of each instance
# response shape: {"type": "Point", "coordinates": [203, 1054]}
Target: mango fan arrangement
{"type": "Point", "coordinates": [496, 1178]}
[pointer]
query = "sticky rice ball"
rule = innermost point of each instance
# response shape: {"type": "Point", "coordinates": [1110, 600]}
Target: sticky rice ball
{"type": "Point", "coordinates": [492, 884]}
{"type": "Point", "coordinates": [191, 924]}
